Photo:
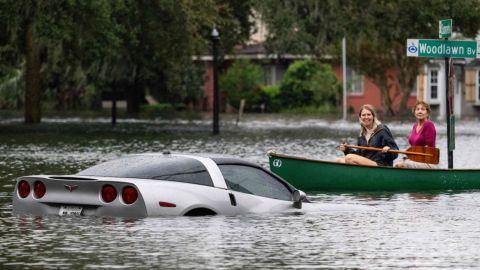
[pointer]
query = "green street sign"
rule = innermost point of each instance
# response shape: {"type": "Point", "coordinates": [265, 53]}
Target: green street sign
{"type": "Point", "coordinates": [443, 48]}
{"type": "Point", "coordinates": [445, 28]}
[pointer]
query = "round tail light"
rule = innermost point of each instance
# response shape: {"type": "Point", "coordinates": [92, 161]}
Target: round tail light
{"type": "Point", "coordinates": [23, 189]}
{"type": "Point", "coordinates": [129, 194]}
{"type": "Point", "coordinates": [109, 193]}
{"type": "Point", "coordinates": [39, 189]}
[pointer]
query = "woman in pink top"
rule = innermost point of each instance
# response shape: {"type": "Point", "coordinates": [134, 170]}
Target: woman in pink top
{"type": "Point", "coordinates": [423, 134]}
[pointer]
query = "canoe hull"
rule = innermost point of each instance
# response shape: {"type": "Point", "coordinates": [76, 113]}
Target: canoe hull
{"type": "Point", "coordinates": [316, 175]}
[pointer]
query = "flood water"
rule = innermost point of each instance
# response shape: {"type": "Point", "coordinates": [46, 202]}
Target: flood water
{"type": "Point", "coordinates": [336, 231]}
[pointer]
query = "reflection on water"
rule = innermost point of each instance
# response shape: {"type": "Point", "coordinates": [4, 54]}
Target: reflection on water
{"type": "Point", "coordinates": [363, 230]}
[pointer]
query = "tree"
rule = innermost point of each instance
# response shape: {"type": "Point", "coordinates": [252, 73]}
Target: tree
{"type": "Point", "coordinates": [45, 33]}
{"type": "Point", "coordinates": [133, 44]}
{"type": "Point", "coordinates": [301, 27]}
{"type": "Point", "coordinates": [377, 39]}
{"type": "Point", "coordinates": [376, 32]}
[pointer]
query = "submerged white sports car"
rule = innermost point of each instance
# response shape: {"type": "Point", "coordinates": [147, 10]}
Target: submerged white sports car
{"type": "Point", "coordinates": [156, 185]}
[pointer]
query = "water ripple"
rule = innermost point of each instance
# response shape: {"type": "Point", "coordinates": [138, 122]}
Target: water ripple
{"type": "Point", "coordinates": [336, 231]}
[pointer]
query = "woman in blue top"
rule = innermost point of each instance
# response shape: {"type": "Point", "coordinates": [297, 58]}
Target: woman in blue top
{"type": "Point", "coordinates": [372, 134]}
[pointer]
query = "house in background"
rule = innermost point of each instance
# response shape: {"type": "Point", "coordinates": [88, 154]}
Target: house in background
{"type": "Point", "coordinates": [274, 66]}
{"type": "Point", "coordinates": [472, 88]}
{"type": "Point", "coordinates": [466, 93]}
{"type": "Point", "coordinates": [362, 90]}
{"type": "Point", "coordinates": [429, 87]}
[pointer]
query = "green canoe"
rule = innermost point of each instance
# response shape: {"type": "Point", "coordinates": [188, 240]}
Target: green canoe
{"type": "Point", "coordinates": [316, 175]}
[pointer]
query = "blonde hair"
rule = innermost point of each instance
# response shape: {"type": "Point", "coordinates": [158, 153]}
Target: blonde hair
{"type": "Point", "coordinates": [371, 109]}
{"type": "Point", "coordinates": [424, 104]}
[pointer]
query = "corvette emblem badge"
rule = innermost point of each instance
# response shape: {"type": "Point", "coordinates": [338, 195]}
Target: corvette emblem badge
{"type": "Point", "coordinates": [70, 187]}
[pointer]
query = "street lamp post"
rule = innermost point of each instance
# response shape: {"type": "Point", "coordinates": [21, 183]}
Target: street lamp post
{"type": "Point", "coordinates": [215, 38]}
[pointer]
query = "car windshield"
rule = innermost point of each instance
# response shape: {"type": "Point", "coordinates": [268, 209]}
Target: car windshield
{"type": "Point", "coordinates": [169, 168]}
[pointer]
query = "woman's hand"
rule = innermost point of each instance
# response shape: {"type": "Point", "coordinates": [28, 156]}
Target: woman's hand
{"type": "Point", "coordinates": [343, 147]}
{"type": "Point", "coordinates": [385, 149]}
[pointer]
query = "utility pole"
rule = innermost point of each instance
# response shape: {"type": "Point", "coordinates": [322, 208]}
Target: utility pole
{"type": "Point", "coordinates": [215, 38]}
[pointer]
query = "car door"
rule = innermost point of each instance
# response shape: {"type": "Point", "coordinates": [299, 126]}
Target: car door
{"type": "Point", "coordinates": [255, 190]}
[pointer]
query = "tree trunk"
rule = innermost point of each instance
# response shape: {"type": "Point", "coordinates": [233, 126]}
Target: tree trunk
{"type": "Point", "coordinates": [387, 103]}
{"type": "Point", "coordinates": [134, 96]}
{"type": "Point", "coordinates": [406, 83]}
{"type": "Point", "coordinates": [381, 81]}
{"type": "Point", "coordinates": [408, 70]}
{"type": "Point", "coordinates": [32, 76]}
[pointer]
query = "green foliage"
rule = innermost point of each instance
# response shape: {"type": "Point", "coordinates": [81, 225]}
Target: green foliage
{"type": "Point", "coordinates": [325, 86]}
{"type": "Point", "coordinates": [158, 108]}
{"type": "Point", "coordinates": [301, 27]}
{"type": "Point", "coordinates": [185, 82]}
{"type": "Point", "coordinates": [12, 91]}
{"type": "Point", "coordinates": [243, 80]}
{"type": "Point", "coordinates": [271, 95]}
{"type": "Point", "coordinates": [294, 88]}
{"type": "Point", "coordinates": [165, 110]}
{"type": "Point", "coordinates": [89, 46]}
{"type": "Point", "coordinates": [272, 91]}
{"type": "Point", "coordinates": [92, 98]}
{"type": "Point", "coordinates": [309, 83]}
{"type": "Point", "coordinates": [376, 33]}
{"type": "Point", "coordinates": [84, 47]}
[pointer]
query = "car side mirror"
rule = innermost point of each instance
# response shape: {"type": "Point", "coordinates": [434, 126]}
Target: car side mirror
{"type": "Point", "coordinates": [298, 197]}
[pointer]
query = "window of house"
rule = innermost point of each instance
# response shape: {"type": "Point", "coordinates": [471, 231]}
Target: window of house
{"type": "Point", "coordinates": [280, 72]}
{"type": "Point", "coordinates": [354, 82]}
{"type": "Point", "coordinates": [270, 75]}
{"type": "Point", "coordinates": [273, 74]}
{"type": "Point", "coordinates": [433, 85]}
{"type": "Point", "coordinates": [477, 85]}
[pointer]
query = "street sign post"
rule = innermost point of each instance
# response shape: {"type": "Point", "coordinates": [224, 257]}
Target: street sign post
{"type": "Point", "coordinates": [446, 49]}
{"type": "Point", "coordinates": [445, 28]}
{"type": "Point", "coordinates": [443, 48]}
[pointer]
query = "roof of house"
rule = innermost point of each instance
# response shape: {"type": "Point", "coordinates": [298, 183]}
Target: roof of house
{"type": "Point", "coordinates": [253, 51]}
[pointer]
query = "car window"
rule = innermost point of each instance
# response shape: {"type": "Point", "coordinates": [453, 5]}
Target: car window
{"type": "Point", "coordinates": [177, 169]}
{"type": "Point", "coordinates": [254, 181]}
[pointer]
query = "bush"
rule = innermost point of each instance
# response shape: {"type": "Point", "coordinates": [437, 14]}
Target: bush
{"type": "Point", "coordinates": [271, 98]}
{"type": "Point", "coordinates": [243, 80]}
{"type": "Point", "coordinates": [158, 108]}
{"type": "Point", "coordinates": [309, 83]}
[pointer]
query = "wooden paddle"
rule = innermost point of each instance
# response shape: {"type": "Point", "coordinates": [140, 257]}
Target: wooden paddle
{"type": "Point", "coordinates": [422, 154]}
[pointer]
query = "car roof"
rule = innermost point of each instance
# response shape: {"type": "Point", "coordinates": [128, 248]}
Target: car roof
{"type": "Point", "coordinates": [217, 158]}
{"type": "Point", "coordinates": [229, 160]}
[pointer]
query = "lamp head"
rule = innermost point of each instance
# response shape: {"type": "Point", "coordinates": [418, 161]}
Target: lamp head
{"type": "Point", "coordinates": [215, 34]}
